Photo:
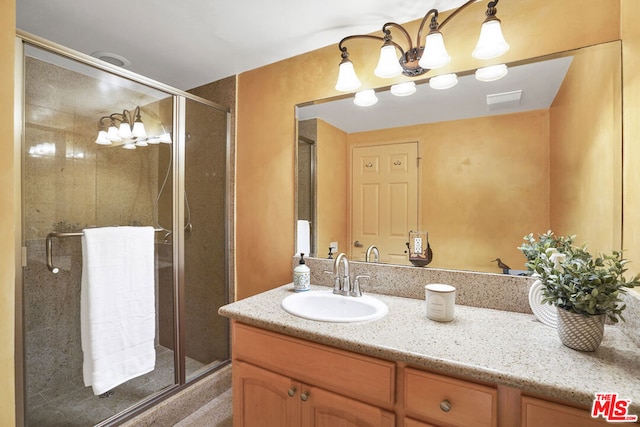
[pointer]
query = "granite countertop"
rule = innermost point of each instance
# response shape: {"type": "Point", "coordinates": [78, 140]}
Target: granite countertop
{"type": "Point", "coordinates": [499, 347]}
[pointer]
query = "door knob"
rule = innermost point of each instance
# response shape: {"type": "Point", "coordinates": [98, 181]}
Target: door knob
{"type": "Point", "coordinates": [291, 392]}
{"type": "Point", "coordinates": [304, 396]}
{"type": "Point", "coordinates": [357, 244]}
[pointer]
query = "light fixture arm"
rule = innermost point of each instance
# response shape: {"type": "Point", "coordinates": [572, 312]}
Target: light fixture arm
{"type": "Point", "coordinates": [345, 53]}
{"type": "Point", "coordinates": [433, 26]}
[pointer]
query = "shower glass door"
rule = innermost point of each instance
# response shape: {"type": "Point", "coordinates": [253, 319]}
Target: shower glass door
{"type": "Point", "coordinates": [72, 182]}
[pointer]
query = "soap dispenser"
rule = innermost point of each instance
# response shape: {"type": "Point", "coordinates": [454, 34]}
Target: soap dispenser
{"type": "Point", "coordinates": [301, 276]}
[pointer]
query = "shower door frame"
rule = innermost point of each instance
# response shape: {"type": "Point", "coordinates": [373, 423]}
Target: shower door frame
{"type": "Point", "coordinates": [179, 98]}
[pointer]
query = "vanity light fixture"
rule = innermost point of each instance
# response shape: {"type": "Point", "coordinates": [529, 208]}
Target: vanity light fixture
{"type": "Point", "coordinates": [119, 127]}
{"type": "Point", "coordinates": [419, 58]}
{"type": "Point", "coordinates": [116, 127]}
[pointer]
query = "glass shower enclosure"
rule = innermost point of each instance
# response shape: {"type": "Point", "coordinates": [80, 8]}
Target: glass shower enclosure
{"type": "Point", "coordinates": [79, 173]}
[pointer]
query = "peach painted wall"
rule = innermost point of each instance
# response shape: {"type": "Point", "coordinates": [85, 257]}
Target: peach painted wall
{"type": "Point", "coordinates": [332, 188]}
{"type": "Point", "coordinates": [481, 178]}
{"type": "Point", "coordinates": [266, 131]}
{"type": "Point", "coordinates": [8, 218]}
{"type": "Point", "coordinates": [586, 159]}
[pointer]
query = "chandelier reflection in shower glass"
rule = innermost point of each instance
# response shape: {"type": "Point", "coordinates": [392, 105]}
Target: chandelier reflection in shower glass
{"type": "Point", "coordinates": [116, 128]}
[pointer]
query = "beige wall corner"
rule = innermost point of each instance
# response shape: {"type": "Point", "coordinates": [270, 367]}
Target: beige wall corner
{"type": "Point", "coordinates": [630, 33]}
{"type": "Point", "coordinates": [7, 218]}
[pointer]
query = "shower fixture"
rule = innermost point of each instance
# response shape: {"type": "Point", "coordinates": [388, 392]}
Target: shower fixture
{"type": "Point", "coordinates": [116, 127]}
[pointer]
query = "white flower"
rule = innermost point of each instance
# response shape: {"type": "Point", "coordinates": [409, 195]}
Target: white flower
{"type": "Point", "coordinates": [557, 258]}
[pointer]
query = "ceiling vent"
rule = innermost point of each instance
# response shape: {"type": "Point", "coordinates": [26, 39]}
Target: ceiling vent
{"type": "Point", "coordinates": [498, 101]}
{"type": "Point", "coordinates": [112, 58]}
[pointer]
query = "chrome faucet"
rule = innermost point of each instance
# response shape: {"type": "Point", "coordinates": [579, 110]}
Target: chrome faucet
{"type": "Point", "coordinates": [341, 287]}
{"type": "Point", "coordinates": [372, 249]}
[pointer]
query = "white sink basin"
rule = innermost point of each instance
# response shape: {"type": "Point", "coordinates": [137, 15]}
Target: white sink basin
{"type": "Point", "coordinates": [326, 306]}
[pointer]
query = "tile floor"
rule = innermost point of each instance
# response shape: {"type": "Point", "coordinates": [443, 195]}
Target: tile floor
{"type": "Point", "coordinates": [73, 405]}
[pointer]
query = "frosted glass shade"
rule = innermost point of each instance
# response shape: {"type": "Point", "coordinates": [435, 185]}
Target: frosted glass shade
{"type": "Point", "coordinates": [125, 130]}
{"type": "Point", "coordinates": [165, 138]}
{"type": "Point", "coordinates": [102, 138]}
{"type": "Point", "coordinates": [365, 98]}
{"type": "Point", "coordinates": [112, 134]}
{"type": "Point", "coordinates": [443, 81]}
{"type": "Point", "coordinates": [404, 89]}
{"type": "Point", "coordinates": [435, 54]}
{"type": "Point", "coordinates": [491, 42]}
{"type": "Point", "coordinates": [388, 64]}
{"type": "Point", "coordinates": [153, 140]}
{"type": "Point", "coordinates": [139, 130]}
{"type": "Point", "coordinates": [347, 78]}
{"type": "Point", "coordinates": [141, 143]}
{"type": "Point", "coordinates": [491, 73]}
{"type": "Point", "coordinates": [129, 146]}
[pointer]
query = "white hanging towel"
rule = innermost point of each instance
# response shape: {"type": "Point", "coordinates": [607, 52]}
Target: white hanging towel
{"type": "Point", "coordinates": [117, 305]}
{"type": "Point", "coordinates": [303, 244]}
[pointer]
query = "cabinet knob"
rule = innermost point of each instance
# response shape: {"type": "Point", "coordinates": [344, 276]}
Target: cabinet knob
{"type": "Point", "coordinates": [445, 405]}
{"type": "Point", "coordinates": [292, 391]}
{"type": "Point", "coordinates": [304, 396]}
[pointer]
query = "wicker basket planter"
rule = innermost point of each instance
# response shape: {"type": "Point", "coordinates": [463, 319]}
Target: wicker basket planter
{"type": "Point", "coordinates": [580, 332]}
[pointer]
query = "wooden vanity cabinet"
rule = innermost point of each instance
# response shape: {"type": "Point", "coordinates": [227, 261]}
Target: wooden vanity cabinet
{"type": "Point", "coordinates": [282, 381]}
{"type": "Point", "coordinates": [542, 413]}
{"type": "Point", "coordinates": [442, 400]}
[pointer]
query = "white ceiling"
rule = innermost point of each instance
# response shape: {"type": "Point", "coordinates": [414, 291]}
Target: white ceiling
{"type": "Point", "coordinates": [188, 43]}
{"type": "Point", "coordinates": [538, 81]}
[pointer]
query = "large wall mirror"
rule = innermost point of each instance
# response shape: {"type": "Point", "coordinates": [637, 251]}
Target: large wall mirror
{"type": "Point", "coordinates": [477, 166]}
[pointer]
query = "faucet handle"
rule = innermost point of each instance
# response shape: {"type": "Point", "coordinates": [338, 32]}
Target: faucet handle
{"type": "Point", "coordinates": [356, 292]}
{"type": "Point", "coordinates": [336, 282]}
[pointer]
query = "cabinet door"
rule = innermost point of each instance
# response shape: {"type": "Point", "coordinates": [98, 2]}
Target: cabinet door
{"type": "Point", "coordinates": [540, 413]}
{"type": "Point", "coordinates": [264, 399]}
{"type": "Point", "coordinates": [325, 409]}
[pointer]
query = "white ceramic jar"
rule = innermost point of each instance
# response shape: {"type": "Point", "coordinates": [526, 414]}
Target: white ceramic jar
{"type": "Point", "coordinates": [440, 301]}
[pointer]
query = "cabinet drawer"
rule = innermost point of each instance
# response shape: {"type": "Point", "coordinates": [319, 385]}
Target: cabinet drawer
{"type": "Point", "coordinates": [427, 396]}
{"type": "Point", "coordinates": [541, 413]}
{"type": "Point", "coordinates": [360, 377]}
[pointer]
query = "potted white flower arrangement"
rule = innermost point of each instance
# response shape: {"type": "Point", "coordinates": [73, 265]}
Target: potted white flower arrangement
{"type": "Point", "coordinates": [585, 289]}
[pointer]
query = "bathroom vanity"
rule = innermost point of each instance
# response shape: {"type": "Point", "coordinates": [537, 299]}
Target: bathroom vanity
{"type": "Point", "coordinates": [485, 368]}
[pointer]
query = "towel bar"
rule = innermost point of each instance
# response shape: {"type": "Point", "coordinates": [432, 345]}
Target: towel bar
{"type": "Point", "coordinates": [49, 245]}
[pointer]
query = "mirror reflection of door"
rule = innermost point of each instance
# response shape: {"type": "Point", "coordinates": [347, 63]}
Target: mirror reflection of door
{"type": "Point", "coordinates": [385, 199]}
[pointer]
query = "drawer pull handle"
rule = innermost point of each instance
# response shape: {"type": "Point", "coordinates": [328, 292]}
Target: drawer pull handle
{"type": "Point", "coordinates": [445, 405]}
{"type": "Point", "coordinates": [304, 396]}
{"type": "Point", "coordinates": [292, 391]}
